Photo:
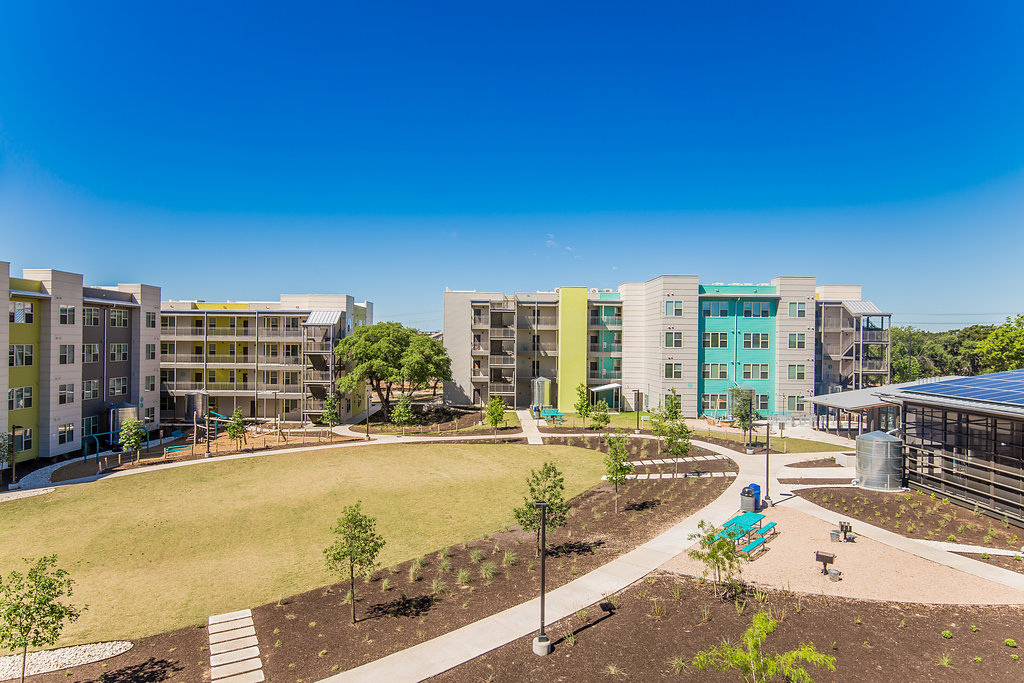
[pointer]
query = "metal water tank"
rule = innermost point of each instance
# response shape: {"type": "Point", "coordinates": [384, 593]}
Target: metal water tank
{"type": "Point", "coordinates": [196, 402]}
{"type": "Point", "coordinates": [880, 461]}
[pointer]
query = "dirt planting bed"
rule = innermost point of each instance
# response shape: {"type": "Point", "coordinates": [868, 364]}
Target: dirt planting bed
{"type": "Point", "coordinates": [817, 462]}
{"type": "Point", "coordinates": [917, 515]}
{"type": "Point", "coordinates": [816, 481]}
{"type": "Point", "coordinates": [1014, 563]}
{"type": "Point", "coordinates": [652, 630]}
{"type": "Point", "coordinates": [438, 419]}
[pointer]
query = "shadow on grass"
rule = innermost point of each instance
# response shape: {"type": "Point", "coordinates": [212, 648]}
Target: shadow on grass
{"type": "Point", "coordinates": [402, 607]}
{"type": "Point", "coordinates": [150, 671]}
{"type": "Point", "coordinates": [606, 611]}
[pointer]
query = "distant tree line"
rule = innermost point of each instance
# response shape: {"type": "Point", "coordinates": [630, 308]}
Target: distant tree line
{"type": "Point", "coordinates": [970, 350]}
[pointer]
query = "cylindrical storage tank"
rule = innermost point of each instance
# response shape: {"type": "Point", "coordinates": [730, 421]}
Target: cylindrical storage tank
{"type": "Point", "coordinates": [196, 402]}
{"type": "Point", "coordinates": [879, 461]}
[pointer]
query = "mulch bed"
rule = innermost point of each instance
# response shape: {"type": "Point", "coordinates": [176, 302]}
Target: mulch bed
{"type": "Point", "coordinates": [434, 420]}
{"type": "Point", "coordinates": [916, 515]}
{"type": "Point", "coordinates": [816, 481]}
{"type": "Point", "coordinates": [1004, 561]}
{"type": "Point", "coordinates": [663, 617]}
{"type": "Point", "coordinates": [817, 462]}
{"type": "Point", "coordinates": [309, 636]}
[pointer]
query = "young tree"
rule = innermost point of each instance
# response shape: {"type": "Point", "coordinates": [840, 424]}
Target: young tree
{"type": "Point", "coordinates": [719, 556]}
{"type": "Point", "coordinates": [332, 414]}
{"type": "Point", "coordinates": [402, 414]}
{"type": "Point", "coordinates": [495, 413]}
{"type": "Point", "coordinates": [356, 549]}
{"type": "Point", "coordinates": [754, 665]}
{"type": "Point", "coordinates": [132, 435]}
{"type": "Point", "coordinates": [546, 485]}
{"type": "Point", "coordinates": [384, 354]}
{"type": "Point", "coordinates": [31, 611]}
{"type": "Point", "coordinates": [616, 465]}
{"type": "Point", "coordinates": [582, 406]}
{"type": "Point", "coordinates": [677, 441]}
{"type": "Point", "coordinates": [664, 416]}
{"type": "Point", "coordinates": [236, 427]}
{"type": "Point", "coordinates": [6, 457]}
{"type": "Point", "coordinates": [599, 417]}
{"type": "Point", "coordinates": [741, 400]}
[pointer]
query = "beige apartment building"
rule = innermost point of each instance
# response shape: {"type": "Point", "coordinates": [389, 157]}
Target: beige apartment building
{"type": "Point", "coordinates": [271, 359]}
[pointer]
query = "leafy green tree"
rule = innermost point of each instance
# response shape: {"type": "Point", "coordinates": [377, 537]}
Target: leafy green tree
{"type": "Point", "coordinates": [548, 485]}
{"type": "Point", "coordinates": [720, 557]}
{"type": "Point", "coordinates": [402, 414]}
{"type": "Point", "coordinates": [356, 549]}
{"type": "Point", "coordinates": [6, 456]}
{"type": "Point", "coordinates": [616, 464]}
{"type": "Point", "coordinates": [664, 416]}
{"type": "Point", "coordinates": [741, 402]}
{"type": "Point", "coordinates": [331, 414]}
{"type": "Point", "coordinates": [386, 354]}
{"type": "Point", "coordinates": [919, 353]}
{"type": "Point", "coordinates": [599, 417]}
{"type": "Point", "coordinates": [31, 611]}
{"type": "Point", "coordinates": [132, 435]}
{"type": "Point", "coordinates": [495, 413]}
{"type": "Point", "coordinates": [1003, 348]}
{"type": "Point", "coordinates": [677, 441]}
{"type": "Point", "coordinates": [582, 405]}
{"type": "Point", "coordinates": [754, 664]}
{"type": "Point", "coordinates": [236, 427]}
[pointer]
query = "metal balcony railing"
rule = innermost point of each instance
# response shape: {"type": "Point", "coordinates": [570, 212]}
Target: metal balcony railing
{"type": "Point", "coordinates": [607, 320]}
{"type": "Point", "coordinates": [479, 376]}
{"type": "Point", "coordinates": [503, 305]}
{"type": "Point", "coordinates": [503, 333]}
{"type": "Point", "coordinates": [319, 376]}
{"type": "Point", "coordinates": [317, 347]}
{"type": "Point", "coordinates": [606, 348]}
{"type": "Point", "coordinates": [606, 374]}
{"type": "Point", "coordinates": [480, 348]}
{"type": "Point", "coordinates": [528, 322]}
{"type": "Point", "coordinates": [181, 358]}
{"type": "Point", "coordinates": [230, 332]}
{"type": "Point", "coordinates": [501, 388]}
{"type": "Point", "coordinates": [539, 349]}
{"type": "Point", "coordinates": [231, 386]}
{"type": "Point", "coordinates": [502, 361]}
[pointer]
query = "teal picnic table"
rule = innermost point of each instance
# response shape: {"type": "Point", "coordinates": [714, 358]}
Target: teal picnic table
{"type": "Point", "coordinates": [742, 529]}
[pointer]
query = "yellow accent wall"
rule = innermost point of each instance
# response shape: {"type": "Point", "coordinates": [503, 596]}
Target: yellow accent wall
{"type": "Point", "coordinates": [22, 376]}
{"type": "Point", "coordinates": [572, 344]}
{"type": "Point", "coordinates": [213, 306]}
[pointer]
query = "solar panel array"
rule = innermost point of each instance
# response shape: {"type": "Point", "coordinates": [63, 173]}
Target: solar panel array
{"type": "Point", "coordinates": [997, 387]}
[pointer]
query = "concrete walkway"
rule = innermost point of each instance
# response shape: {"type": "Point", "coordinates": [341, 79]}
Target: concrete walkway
{"type": "Point", "coordinates": [529, 425]}
{"type": "Point", "coordinates": [451, 649]}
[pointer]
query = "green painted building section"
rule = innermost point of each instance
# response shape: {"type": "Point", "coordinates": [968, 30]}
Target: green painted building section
{"type": "Point", "coordinates": [572, 343]}
{"type": "Point", "coordinates": [27, 376]}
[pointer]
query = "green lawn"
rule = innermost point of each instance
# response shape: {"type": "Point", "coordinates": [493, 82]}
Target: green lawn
{"type": "Point", "coordinates": [787, 444]}
{"type": "Point", "coordinates": [156, 551]}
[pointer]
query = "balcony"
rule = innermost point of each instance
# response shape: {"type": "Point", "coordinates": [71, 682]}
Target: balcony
{"type": "Point", "coordinates": [873, 366]}
{"type": "Point", "coordinates": [182, 386]}
{"type": "Point", "coordinates": [190, 332]}
{"type": "Point", "coordinates": [479, 349]}
{"type": "Point", "coordinates": [481, 321]}
{"type": "Point", "coordinates": [606, 348]}
{"type": "Point", "coordinates": [503, 305]}
{"type": "Point", "coordinates": [279, 333]}
{"type": "Point", "coordinates": [317, 376]}
{"type": "Point", "coordinates": [230, 360]}
{"type": "Point", "coordinates": [529, 322]}
{"type": "Point", "coordinates": [279, 360]}
{"type": "Point", "coordinates": [171, 358]}
{"type": "Point", "coordinates": [875, 336]}
{"type": "Point", "coordinates": [317, 346]}
{"type": "Point", "coordinates": [312, 405]}
{"type": "Point", "coordinates": [479, 377]}
{"type": "Point", "coordinates": [501, 388]}
{"type": "Point", "coordinates": [603, 375]}
{"type": "Point", "coordinates": [605, 321]}
{"type": "Point", "coordinates": [232, 332]}
{"type": "Point", "coordinates": [231, 386]}
{"type": "Point", "coordinates": [502, 361]}
{"type": "Point", "coordinates": [538, 349]}
{"type": "Point", "coordinates": [503, 333]}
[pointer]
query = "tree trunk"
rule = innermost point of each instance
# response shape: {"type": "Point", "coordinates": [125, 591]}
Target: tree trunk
{"type": "Point", "coordinates": [352, 589]}
{"type": "Point", "coordinates": [24, 660]}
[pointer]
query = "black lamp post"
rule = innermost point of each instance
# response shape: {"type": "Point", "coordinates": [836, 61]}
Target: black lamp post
{"type": "Point", "coordinates": [767, 457]}
{"type": "Point", "coordinates": [369, 394]}
{"type": "Point", "coordinates": [542, 644]}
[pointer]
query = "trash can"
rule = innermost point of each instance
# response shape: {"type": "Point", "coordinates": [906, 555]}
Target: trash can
{"type": "Point", "coordinates": [756, 488]}
{"type": "Point", "coordinates": [747, 501]}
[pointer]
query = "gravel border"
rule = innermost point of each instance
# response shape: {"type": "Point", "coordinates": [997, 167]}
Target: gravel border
{"type": "Point", "coordinates": [16, 494]}
{"type": "Point", "coordinates": [45, 661]}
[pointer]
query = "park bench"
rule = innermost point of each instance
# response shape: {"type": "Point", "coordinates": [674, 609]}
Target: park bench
{"type": "Point", "coordinates": [766, 528]}
{"type": "Point", "coordinates": [749, 549]}
{"type": "Point", "coordinates": [177, 434]}
{"type": "Point", "coordinates": [171, 450]}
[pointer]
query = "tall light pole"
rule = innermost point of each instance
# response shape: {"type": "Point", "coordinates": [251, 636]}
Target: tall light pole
{"type": "Point", "coordinates": [767, 457]}
{"type": "Point", "coordinates": [542, 644]}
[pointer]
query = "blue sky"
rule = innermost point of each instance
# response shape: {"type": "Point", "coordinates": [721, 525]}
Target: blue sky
{"type": "Point", "coordinates": [392, 150]}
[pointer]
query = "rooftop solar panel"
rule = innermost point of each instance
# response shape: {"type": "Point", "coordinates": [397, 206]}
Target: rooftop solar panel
{"type": "Point", "coordinates": [998, 387]}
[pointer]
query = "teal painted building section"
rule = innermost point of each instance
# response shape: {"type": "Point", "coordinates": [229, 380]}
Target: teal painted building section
{"type": "Point", "coordinates": [749, 345]}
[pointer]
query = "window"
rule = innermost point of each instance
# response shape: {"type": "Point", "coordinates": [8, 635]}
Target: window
{"type": "Point", "coordinates": [21, 312]}
{"type": "Point", "coordinates": [150, 382]}
{"type": "Point", "coordinates": [118, 352]}
{"type": "Point", "coordinates": [756, 309]}
{"type": "Point", "coordinates": [118, 386]}
{"type": "Point", "coordinates": [90, 353]}
{"type": "Point", "coordinates": [19, 397]}
{"type": "Point", "coordinates": [167, 403]}
{"type": "Point", "coordinates": [91, 316]}
{"type": "Point", "coordinates": [66, 433]}
{"type": "Point", "coordinates": [796, 371]}
{"type": "Point", "coordinates": [291, 350]}
{"type": "Point", "coordinates": [716, 340]}
{"type": "Point", "coordinates": [755, 340]}
{"type": "Point", "coordinates": [119, 318]}
{"type": "Point", "coordinates": [150, 351]}
{"type": "Point", "coordinates": [211, 376]}
{"type": "Point", "coordinates": [65, 393]}
{"type": "Point", "coordinates": [166, 348]}
{"type": "Point", "coordinates": [797, 309]}
{"type": "Point", "coordinates": [270, 350]}
{"type": "Point", "coordinates": [291, 323]}
{"type": "Point", "coordinates": [151, 319]}
{"type": "Point", "coordinates": [19, 355]}
{"type": "Point", "coordinates": [150, 415]}
{"type": "Point", "coordinates": [715, 309]}
{"type": "Point", "coordinates": [796, 341]}
{"type": "Point", "coordinates": [67, 354]}
{"type": "Point", "coordinates": [673, 370]}
{"type": "Point", "coordinates": [291, 405]}
{"type": "Point", "coordinates": [674, 309]}
{"type": "Point", "coordinates": [90, 425]}
{"type": "Point", "coordinates": [67, 315]}
{"type": "Point", "coordinates": [755, 371]}
{"type": "Point", "coordinates": [90, 389]}
{"type": "Point", "coordinates": [795, 403]}
{"type": "Point", "coordinates": [271, 324]}
{"type": "Point", "coordinates": [22, 439]}
{"type": "Point", "coordinates": [761, 402]}
{"type": "Point", "coordinates": [674, 340]}
{"type": "Point", "coordinates": [714, 401]}
{"type": "Point", "coordinates": [167, 322]}
{"type": "Point", "coordinates": [292, 378]}
{"type": "Point", "coordinates": [715, 371]}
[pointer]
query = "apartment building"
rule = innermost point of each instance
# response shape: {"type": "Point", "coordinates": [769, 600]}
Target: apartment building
{"type": "Point", "coordinates": [79, 358]}
{"type": "Point", "coordinates": [645, 339]}
{"type": "Point", "coordinates": [271, 359]}
{"type": "Point", "coordinates": [854, 343]}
